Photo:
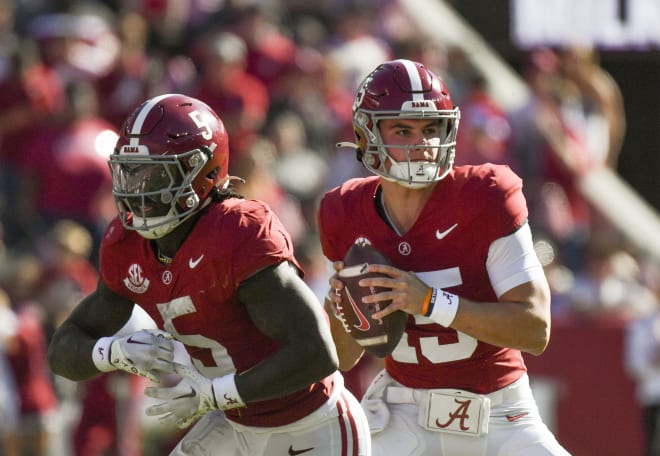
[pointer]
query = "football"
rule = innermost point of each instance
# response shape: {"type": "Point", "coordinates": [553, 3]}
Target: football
{"type": "Point", "coordinates": [378, 337]}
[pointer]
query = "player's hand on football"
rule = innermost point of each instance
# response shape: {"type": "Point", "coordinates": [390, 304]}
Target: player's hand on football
{"type": "Point", "coordinates": [406, 290]}
{"type": "Point", "coordinates": [183, 403]}
{"type": "Point", "coordinates": [148, 353]}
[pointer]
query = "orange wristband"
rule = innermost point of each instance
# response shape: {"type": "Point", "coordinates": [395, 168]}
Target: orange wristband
{"type": "Point", "coordinates": [427, 300]}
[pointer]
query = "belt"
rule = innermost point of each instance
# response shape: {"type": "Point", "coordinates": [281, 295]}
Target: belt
{"type": "Point", "coordinates": [509, 394]}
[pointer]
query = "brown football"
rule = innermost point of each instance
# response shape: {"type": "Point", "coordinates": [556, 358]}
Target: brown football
{"type": "Point", "coordinates": [378, 337]}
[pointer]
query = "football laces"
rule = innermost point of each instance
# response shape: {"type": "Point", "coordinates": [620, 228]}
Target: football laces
{"type": "Point", "coordinates": [341, 317]}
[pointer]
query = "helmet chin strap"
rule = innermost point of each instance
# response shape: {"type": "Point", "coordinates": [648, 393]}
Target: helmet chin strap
{"type": "Point", "coordinates": [408, 174]}
{"type": "Point", "coordinates": [163, 228]}
{"type": "Point", "coordinates": [156, 232]}
{"type": "Point", "coordinates": [400, 173]}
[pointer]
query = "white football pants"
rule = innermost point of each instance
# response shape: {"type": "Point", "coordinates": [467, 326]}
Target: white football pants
{"type": "Point", "coordinates": [338, 428]}
{"type": "Point", "coordinates": [514, 426]}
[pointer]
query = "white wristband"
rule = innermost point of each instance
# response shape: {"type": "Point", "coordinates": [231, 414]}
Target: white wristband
{"type": "Point", "coordinates": [101, 354]}
{"type": "Point", "coordinates": [442, 307]}
{"type": "Point", "coordinates": [226, 394]}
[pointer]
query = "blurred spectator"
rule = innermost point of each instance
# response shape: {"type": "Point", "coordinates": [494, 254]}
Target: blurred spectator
{"type": "Point", "coordinates": [28, 94]}
{"type": "Point", "coordinates": [541, 73]}
{"type": "Point", "coordinates": [65, 172]}
{"type": "Point", "coordinates": [129, 81]}
{"type": "Point", "coordinates": [168, 20]}
{"type": "Point", "coordinates": [549, 156]}
{"type": "Point", "coordinates": [313, 262]}
{"type": "Point", "coordinates": [355, 49]}
{"type": "Point", "coordinates": [599, 105]}
{"type": "Point", "coordinates": [20, 273]}
{"type": "Point", "coordinates": [298, 169]}
{"type": "Point", "coordinates": [611, 284]}
{"type": "Point", "coordinates": [484, 135]}
{"type": "Point", "coordinates": [256, 166]}
{"type": "Point", "coordinates": [342, 162]}
{"type": "Point", "coordinates": [574, 121]}
{"type": "Point", "coordinates": [9, 398]}
{"type": "Point", "coordinates": [65, 254]}
{"type": "Point", "coordinates": [79, 45]}
{"type": "Point", "coordinates": [67, 272]}
{"type": "Point", "coordinates": [239, 98]}
{"type": "Point", "coordinates": [314, 89]}
{"type": "Point", "coordinates": [270, 53]}
{"type": "Point", "coordinates": [110, 414]}
{"type": "Point", "coordinates": [26, 352]}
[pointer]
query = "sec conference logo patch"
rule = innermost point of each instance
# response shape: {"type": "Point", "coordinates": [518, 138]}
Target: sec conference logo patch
{"type": "Point", "coordinates": [136, 281]}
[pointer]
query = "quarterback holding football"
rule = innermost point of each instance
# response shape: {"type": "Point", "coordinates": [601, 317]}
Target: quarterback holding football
{"type": "Point", "coordinates": [461, 265]}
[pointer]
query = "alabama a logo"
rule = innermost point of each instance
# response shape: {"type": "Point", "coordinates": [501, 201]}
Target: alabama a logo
{"type": "Point", "coordinates": [461, 414]}
{"type": "Point", "coordinates": [136, 281]}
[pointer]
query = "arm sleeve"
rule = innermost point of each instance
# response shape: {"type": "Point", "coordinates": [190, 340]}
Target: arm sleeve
{"type": "Point", "coordinates": [512, 261]}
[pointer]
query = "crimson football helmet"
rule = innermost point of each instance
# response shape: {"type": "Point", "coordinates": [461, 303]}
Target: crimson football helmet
{"type": "Point", "coordinates": [403, 89]}
{"type": "Point", "coordinates": [171, 153]}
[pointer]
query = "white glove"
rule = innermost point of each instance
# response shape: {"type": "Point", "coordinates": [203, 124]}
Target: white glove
{"type": "Point", "coordinates": [192, 397]}
{"type": "Point", "coordinates": [148, 353]}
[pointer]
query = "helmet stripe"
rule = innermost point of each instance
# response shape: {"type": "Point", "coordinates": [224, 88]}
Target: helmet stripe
{"type": "Point", "coordinates": [413, 77]}
{"type": "Point", "coordinates": [142, 115]}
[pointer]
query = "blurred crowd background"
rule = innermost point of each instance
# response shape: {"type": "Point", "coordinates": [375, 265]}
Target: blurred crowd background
{"type": "Point", "coordinates": [281, 74]}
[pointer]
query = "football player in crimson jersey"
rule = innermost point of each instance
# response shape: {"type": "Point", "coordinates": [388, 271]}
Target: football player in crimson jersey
{"type": "Point", "coordinates": [464, 269]}
{"type": "Point", "coordinates": [216, 273]}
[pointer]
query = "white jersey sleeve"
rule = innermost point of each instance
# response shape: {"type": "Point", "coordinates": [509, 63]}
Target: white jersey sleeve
{"type": "Point", "coordinates": [512, 261]}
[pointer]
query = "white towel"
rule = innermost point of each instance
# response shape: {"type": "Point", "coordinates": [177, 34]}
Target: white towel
{"type": "Point", "coordinates": [378, 415]}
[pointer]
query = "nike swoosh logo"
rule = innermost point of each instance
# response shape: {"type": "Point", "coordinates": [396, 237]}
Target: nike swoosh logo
{"type": "Point", "coordinates": [441, 234]}
{"type": "Point", "coordinates": [293, 452]}
{"type": "Point", "coordinates": [192, 393]}
{"type": "Point", "coordinates": [364, 323]}
{"type": "Point", "coordinates": [512, 418]}
{"type": "Point", "coordinates": [130, 340]}
{"type": "Point", "coordinates": [193, 263]}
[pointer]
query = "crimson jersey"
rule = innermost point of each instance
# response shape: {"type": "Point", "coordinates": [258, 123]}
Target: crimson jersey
{"type": "Point", "coordinates": [447, 247]}
{"type": "Point", "coordinates": [195, 297]}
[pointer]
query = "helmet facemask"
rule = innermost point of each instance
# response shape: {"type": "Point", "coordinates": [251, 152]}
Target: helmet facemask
{"type": "Point", "coordinates": [154, 194]}
{"type": "Point", "coordinates": [171, 156]}
{"type": "Point", "coordinates": [411, 174]}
